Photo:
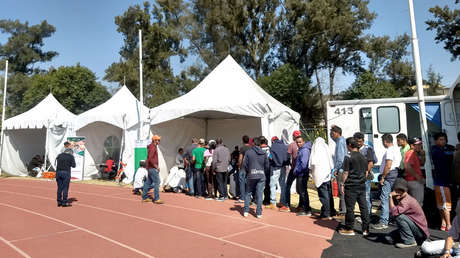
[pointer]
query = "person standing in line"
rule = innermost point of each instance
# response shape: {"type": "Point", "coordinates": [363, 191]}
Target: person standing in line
{"type": "Point", "coordinates": [321, 165]}
{"type": "Point", "coordinates": [278, 161]}
{"type": "Point", "coordinates": [391, 160]}
{"type": "Point", "coordinates": [241, 172]}
{"type": "Point", "coordinates": [339, 155]}
{"type": "Point", "coordinates": [188, 154]}
{"type": "Point", "coordinates": [369, 154]}
{"type": "Point", "coordinates": [198, 165]}
{"type": "Point", "coordinates": [354, 188]}
{"type": "Point", "coordinates": [153, 176]}
{"type": "Point", "coordinates": [292, 153]}
{"type": "Point", "coordinates": [414, 175]}
{"type": "Point", "coordinates": [442, 155]}
{"type": "Point", "coordinates": [401, 140]}
{"type": "Point", "coordinates": [220, 161]}
{"type": "Point", "coordinates": [255, 164]}
{"type": "Point", "coordinates": [65, 161]}
{"type": "Point", "coordinates": [302, 173]}
{"type": "Point", "coordinates": [456, 166]}
{"type": "Point", "coordinates": [210, 174]}
{"type": "Point", "coordinates": [264, 146]}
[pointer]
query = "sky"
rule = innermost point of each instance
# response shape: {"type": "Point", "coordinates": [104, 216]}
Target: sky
{"type": "Point", "coordinates": [86, 32]}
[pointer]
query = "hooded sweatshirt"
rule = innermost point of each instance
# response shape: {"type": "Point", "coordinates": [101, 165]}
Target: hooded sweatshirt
{"type": "Point", "coordinates": [303, 157]}
{"type": "Point", "coordinates": [320, 162]}
{"type": "Point", "coordinates": [255, 163]}
{"type": "Point", "coordinates": [278, 153]}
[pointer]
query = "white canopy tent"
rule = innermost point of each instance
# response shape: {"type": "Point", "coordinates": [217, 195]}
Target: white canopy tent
{"type": "Point", "coordinates": [228, 103]}
{"type": "Point", "coordinates": [112, 129]}
{"type": "Point", "coordinates": [41, 130]}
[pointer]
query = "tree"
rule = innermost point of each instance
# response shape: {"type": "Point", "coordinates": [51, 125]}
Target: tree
{"type": "Point", "coordinates": [388, 60]}
{"type": "Point", "coordinates": [446, 22]}
{"type": "Point", "coordinates": [434, 82]}
{"type": "Point", "coordinates": [324, 35]}
{"type": "Point", "coordinates": [24, 45]}
{"type": "Point", "coordinates": [75, 87]}
{"type": "Point", "coordinates": [288, 85]}
{"type": "Point", "coordinates": [162, 36]}
{"type": "Point", "coordinates": [243, 29]}
{"type": "Point", "coordinates": [367, 86]}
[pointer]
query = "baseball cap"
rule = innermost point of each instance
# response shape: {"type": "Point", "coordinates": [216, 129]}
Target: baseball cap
{"type": "Point", "coordinates": [296, 133]}
{"type": "Point", "coordinates": [414, 140]}
{"type": "Point", "coordinates": [156, 137]}
{"type": "Point", "coordinates": [274, 138]}
{"type": "Point", "coordinates": [201, 141]}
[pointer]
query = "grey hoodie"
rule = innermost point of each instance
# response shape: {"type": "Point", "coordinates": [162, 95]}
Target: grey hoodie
{"type": "Point", "coordinates": [255, 163]}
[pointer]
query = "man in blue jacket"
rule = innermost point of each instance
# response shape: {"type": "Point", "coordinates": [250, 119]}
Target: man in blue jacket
{"type": "Point", "coordinates": [278, 161]}
{"type": "Point", "coordinates": [302, 173]}
{"type": "Point", "coordinates": [339, 156]}
{"type": "Point", "coordinates": [255, 163]}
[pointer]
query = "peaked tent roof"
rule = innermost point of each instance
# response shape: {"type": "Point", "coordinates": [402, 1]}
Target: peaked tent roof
{"type": "Point", "coordinates": [228, 89]}
{"type": "Point", "coordinates": [122, 103]}
{"type": "Point", "coordinates": [49, 110]}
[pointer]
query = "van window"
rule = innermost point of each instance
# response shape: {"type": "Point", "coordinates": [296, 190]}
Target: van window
{"type": "Point", "coordinates": [388, 120]}
{"type": "Point", "coordinates": [365, 120]}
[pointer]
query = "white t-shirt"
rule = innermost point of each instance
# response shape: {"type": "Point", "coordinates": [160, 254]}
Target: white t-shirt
{"type": "Point", "coordinates": [391, 153]}
{"type": "Point", "coordinates": [139, 179]}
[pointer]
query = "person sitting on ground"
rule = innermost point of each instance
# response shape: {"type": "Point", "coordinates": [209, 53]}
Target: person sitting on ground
{"type": "Point", "coordinates": [410, 219]}
{"type": "Point", "coordinates": [141, 175]}
{"type": "Point", "coordinates": [354, 188]}
{"type": "Point", "coordinates": [176, 178]}
{"type": "Point", "coordinates": [444, 247]}
{"type": "Point", "coordinates": [35, 166]}
{"type": "Point", "coordinates": [110, 173]}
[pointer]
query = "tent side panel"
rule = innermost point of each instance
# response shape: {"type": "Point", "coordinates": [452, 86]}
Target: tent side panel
{"type": "Point", "coordinates": [232, 130]}
{"type": "Point", "coordinates": [20, 146]}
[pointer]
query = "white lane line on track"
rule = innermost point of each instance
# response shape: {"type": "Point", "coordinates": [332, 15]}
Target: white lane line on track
{"type": "Point", "coordinates": [44, 235]}
{"type": "Point", "coordinates": [75, 226]}
{"type": "Point", "coordinates": [244, 232]}
{"type": "Point", "coordinates": [144, 219]}
{"type": "Point", "coordinates": [14, 247]}
{"type": "Point", "coordinates": [196, 210]}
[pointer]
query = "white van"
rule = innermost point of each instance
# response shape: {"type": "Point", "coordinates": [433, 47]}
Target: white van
{"type": "Point", "coordinates": [375, 117]}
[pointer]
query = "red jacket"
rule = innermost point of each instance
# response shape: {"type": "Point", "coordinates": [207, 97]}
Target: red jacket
{"type": "Point", "coordinates": [152, 158]}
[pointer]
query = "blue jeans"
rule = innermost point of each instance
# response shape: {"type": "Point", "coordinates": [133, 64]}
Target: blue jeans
{"type": "Point", "coordinates": [199, 178]}
{"type": "Point", "coordinates": [326, 199]}
{"type": "Point", "coordinates": [278, 175]}
{"type": "Point", "coordinates": [254, 187]}
{"type": "Point", "coordinates": [384, 200]}
{"type": "Point", "coordinates": [368, 197]}
{"type": "Point", "coordinates": [63, 181]}
{"type": "Point", "coordinates": [242, 183]}
{"type": "Point", "coordinates": [191, 188]}
{"type": "Point", "coordinates": [408, 230]}
{"type": "Point", "coordinates": [290, 179]}
{"type": "Point", "coordinates": [152, 181]}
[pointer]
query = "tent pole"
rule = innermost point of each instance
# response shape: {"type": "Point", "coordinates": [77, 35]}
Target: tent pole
{"type": "Point", "coordinates": [46, 143]}
{"type": "Point", "coordinates": [141, 90]}
{"type": "Point", "coordinates": [421, 97]}
{"type": "Point", "coordinates": [3, 115]}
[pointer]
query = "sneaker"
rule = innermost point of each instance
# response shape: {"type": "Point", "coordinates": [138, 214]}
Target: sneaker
{"type": "Point", "coordinates": [146, 200]}
{"type": "Point", "coordinates": [271, 206]}
{"type": "Point", "coordinates": [284, 209]}
{"type": "Point", "coordinates": [158, 201]}
{"type": "Point", "coordinates": [325, 218]}
{"type": "Point", "coordinates": [221, 199]}
{"type": "Point", "coordinates": [365, 232]}
{"type": "Point", "coordinates": [240, 201]}
{"type": "Point", "coordinates": [402, 245]}
{"type": "Point", "coordinates": [209, 198]}
{"type": "Point", "coordinates": [259, 216]}
{"type": "Point", "coordinates": [380, 226]}
{"type": "Point", "coordinates": [358, 219]}
{"type": "Point", "coordinates": [346, 232]}
{"type": "Point", "coordinates": [304, 213]}
{"type": "Point", "coordinates": [245, 214]}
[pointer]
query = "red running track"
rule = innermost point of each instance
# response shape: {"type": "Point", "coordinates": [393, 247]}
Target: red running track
{"type": "Point", "coordinates": [109, 221]}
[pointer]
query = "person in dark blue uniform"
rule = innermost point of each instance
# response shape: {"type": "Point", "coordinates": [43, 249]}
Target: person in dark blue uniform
{"type": "Point", "coordinates": [64, 162]}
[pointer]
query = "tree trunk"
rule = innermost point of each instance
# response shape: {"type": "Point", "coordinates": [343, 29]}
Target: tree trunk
{"type": "Point", "coordinates": [323, 106]}
{"type": "Point", "coordinates": [331, 82]}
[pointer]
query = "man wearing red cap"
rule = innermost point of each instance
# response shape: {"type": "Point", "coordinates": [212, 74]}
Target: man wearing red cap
{"type": "Point", "coordinates": [292, 153]}
{"type": "Point", "coordinates": [153, 176]}
{"type": "Point", "coordinates": [278, 160]}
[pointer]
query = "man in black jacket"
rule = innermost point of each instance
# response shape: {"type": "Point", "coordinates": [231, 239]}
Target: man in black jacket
{"type": "Point", "coordinates": [64, 162]}
{"type": "Point", "coordinates": [255, 164]}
